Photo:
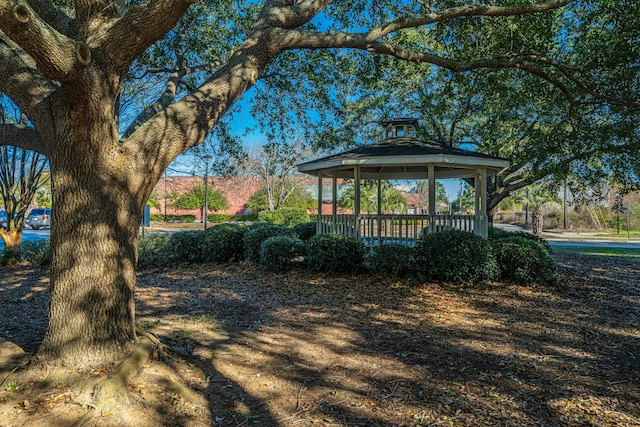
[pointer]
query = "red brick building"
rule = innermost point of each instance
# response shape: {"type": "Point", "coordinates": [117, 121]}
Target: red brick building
{"type": "Point", "coordinates": [237, 189]}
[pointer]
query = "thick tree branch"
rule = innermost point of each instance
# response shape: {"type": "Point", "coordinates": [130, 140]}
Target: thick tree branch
{"type": "Point", "coordinates": [288, 13]}
{"type": "Point", "coordinates": [21, 79]}
{"type": "Point", "coordinates": [54, 16]}
{"type": "Point", "coordinates": [22, 137]}
{"type": "Point", "coordinates": [130, 35]}
{"type": "Point", "coordinates": [90, 14]}
{"type": "Point", "coordinates": [457, 12]}
{"type": "Point", "coordinates": [57, 56]}
{"type": "Point", "coordinates": [165, 99]}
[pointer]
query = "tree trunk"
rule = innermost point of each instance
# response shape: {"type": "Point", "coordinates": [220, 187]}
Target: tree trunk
{"type": "Point", "coordinates": [97, 207]}
{"type": "Point", "coordinates": [536, 221]}
{"type": "Point", "coordinates": [11, 238]}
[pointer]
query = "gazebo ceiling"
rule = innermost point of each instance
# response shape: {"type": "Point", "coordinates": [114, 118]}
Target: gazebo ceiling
{"type": "Point", "coordinates": [404, 158]}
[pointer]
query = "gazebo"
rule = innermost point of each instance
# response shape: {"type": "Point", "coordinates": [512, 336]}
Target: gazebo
{"type": "Point", "coordinates": [401, 156]}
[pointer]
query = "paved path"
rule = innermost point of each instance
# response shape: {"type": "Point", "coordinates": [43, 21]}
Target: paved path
{"type": "Point", "coordinates": [562, 239]}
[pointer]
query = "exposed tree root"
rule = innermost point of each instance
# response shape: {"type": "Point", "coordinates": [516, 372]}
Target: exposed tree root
{"type": "Point", "coordinates": [112, 391]}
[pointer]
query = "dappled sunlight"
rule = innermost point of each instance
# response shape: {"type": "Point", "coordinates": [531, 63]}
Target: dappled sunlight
{"type": "Point", "coordinates": [312, 348]}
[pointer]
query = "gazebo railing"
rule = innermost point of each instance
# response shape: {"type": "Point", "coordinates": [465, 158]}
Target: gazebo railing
{"type": "Point", "coordinates": [401, 229]}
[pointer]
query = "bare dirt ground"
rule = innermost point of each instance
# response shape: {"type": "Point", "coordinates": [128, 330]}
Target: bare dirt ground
{"type": "Point", "coordinates": [254, 348]}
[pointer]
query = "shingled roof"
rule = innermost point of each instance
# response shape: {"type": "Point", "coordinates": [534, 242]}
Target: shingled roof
{"type": "Point", "coordinates": [404, 157]}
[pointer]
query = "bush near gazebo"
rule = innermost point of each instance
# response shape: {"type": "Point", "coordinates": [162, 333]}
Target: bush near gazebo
{"type": "Point", "coordinates": [454, 256]}
{"type": "Point", "coordinates": [335, 253]}
{"type": "Point", "coordinates": [257, 233]}
{"type": "Point", "coordinates": [390, 260]}
{"type": "Point", "coordinates": [279, 252]}
{"type": "Point", "coordinates": [224, 242]}
{"type": "Point", "coordinates": [525, 261]}
{"type": "Point", "coordinates": [305, 230]}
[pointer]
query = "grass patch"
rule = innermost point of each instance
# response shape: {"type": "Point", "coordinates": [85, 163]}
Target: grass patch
{"type": "Point", "coordinates": [633, 253]}
{"type": "Point", "coordinates": [621, 235]}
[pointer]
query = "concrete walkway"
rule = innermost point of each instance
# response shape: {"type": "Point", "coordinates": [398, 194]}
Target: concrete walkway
{"type": "Point", "coordinates": [570, 239]}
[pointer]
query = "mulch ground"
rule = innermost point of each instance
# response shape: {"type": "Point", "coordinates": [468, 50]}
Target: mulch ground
{"type": "Point", "coordinates": [256, 348]}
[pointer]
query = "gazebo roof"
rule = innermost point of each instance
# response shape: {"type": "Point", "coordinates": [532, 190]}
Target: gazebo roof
{"type": "Point", "coordinates": [404, 158]}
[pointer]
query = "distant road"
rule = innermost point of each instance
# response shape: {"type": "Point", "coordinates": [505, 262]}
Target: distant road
{"type": "Point", "coordinates": [30, 235]}
{"type": "Point", "coordinates": [587, 243]}
{"type": "Point", "coordinates": [577, 240]}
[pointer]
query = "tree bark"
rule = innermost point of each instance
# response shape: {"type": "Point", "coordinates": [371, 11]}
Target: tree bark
{"type": "Point", "coordinates": [97, 207]}
{"type": "Point", "coordinates": [11, 238]}
{"type": "Point", "coordinates": [536, 221]}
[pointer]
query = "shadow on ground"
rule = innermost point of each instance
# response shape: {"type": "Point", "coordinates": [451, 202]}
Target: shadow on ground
{"type": "Point", "coordinates": [315, 349]}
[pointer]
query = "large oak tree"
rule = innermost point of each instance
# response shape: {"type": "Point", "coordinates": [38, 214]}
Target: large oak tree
{"type": "Point", "coordinates": [64, 65]}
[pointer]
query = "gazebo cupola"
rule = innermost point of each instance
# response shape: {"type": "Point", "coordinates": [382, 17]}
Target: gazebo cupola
{"type": "Point", "coordinates": [400, 128]}
{"type": "Point", "coordinates": [402, 156]}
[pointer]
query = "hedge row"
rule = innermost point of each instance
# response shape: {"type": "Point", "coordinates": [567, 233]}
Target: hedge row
{"type": "Point", "coordinates": [213, 218]}
{"type": "Point", "coordinates": [450, 256]}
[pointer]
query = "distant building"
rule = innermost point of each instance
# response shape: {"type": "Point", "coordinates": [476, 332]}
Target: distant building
{"type": "Point", "coordinates": [237, 189]}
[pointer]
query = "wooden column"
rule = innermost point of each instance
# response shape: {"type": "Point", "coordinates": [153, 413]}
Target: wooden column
{"type": "Point", "coordinates": [334, 201]}
{"type": "Point", "coordinates": [334, 191]}
{"type": "Point", "coordinates": [319, 219]}
{"type": "Point", "coordinates": [431, 205]}
{"type": "Point", "coordinates": [356, 200]}
{"type": "Point", "coordinates": [481, 227]}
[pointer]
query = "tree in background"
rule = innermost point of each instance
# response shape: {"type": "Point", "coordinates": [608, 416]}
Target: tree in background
{"type": "Point", "coordinates": [21, 180]}
{"type": "Point", "coordinates": [275, 164]}
{"type": "Point", "coordinates": [538, 197]}
{"type": "Point", "coordinates": [300, 198]}
{"type": "Point", "coordinates": [195, 197]}
{"type": "Point", "coordinates": [391, 199]}
{"type": "Point", "coordinates": [422, 189]}
{"type": "Point", "coordinates": [465, 202]}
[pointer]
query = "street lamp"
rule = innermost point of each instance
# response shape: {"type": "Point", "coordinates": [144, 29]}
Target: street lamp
{"type": "Point", "coordinates": [206, 158]}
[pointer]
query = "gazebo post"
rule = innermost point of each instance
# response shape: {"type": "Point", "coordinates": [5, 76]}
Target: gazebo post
{"type": "Point", "coordinates": [431, 206]}
{"type": "Point", "coordinates": [379, 210]}
{"type": "Point", "coordinates": [356, 200]}
{"type": "Point", "coordinates": [334, 200]}
{"type": "Point", "coordinates": [319, 220]}
{"type": "Point", "coordinates": [480, 181]}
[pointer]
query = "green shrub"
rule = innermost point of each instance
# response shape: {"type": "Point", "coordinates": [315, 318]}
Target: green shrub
{"type": "Point", "coordinates": [172, 218]}
{"type": "Point", "coordinates": [335, 253]}
{"type": "Point", "coordinates": [153, 250]}
{"type": "Point", "coordinates": [9, 257]}
{"type": "Point", "coordinates": [215, 218]}
{"type": "Point", "coordinates": [247, 218]}
{"type": "Point", "coordinates": [285, 216]}
{"type": "Point", "coordinates": [257, 233]}
{"type": "Point", "coordinates": [389, 259]}
{"type": "Point", "coordinates": [224, 242]}
{"type": "Point", "coordinates": [525, 261]}
{"type": "Point", "coordinates": [186, 246]}
{"type": "Point", "coordinates": [36, 252]}
{"type": "Point", "coordinates": [454, 256]}
{"type": "Point", "coordinates": [277, 253]}
{"type": "Point", "coordinates": [305, 230]}
{"type": "Point", "coordinates": [496, 234]}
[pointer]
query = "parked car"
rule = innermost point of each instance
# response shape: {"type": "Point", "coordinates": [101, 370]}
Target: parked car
{"type": "Point", "coordinates": [3, 218]}
{"type": "Point", "coordinates": [38, 217]}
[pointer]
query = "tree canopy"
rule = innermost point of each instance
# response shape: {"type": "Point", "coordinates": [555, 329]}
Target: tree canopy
{"type": "Point", "coordinates": [194, 198]}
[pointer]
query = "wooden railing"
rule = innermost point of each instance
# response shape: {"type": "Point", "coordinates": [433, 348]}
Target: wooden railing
{"type": "Point", "coordinates": [402, 229]}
